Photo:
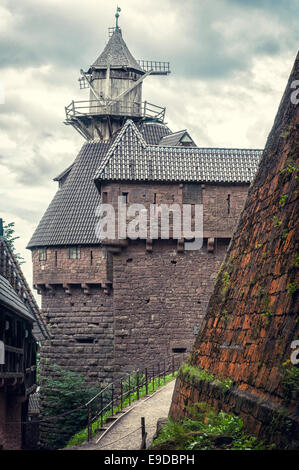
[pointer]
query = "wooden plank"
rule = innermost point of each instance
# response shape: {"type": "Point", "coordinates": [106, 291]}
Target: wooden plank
{"type": "Point", "coordinates": [13, 349]}
{"type": "Point", "coordinates": [9, 375]}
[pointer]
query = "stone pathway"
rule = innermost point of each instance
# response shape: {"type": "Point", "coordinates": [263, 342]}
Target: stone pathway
{"type": "Point", "coordinates": [126, 433]}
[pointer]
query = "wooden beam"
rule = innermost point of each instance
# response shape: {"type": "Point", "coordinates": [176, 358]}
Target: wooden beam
{"type": "Point", "coordinates": [124, 93]}
{"type": "Point", "coordinates": [90, 84]}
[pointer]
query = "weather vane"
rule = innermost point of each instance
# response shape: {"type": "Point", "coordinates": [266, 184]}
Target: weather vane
{"type": "Point", "coordinates": [117, 16]}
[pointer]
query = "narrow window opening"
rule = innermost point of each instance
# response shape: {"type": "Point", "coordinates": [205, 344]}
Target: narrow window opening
{"type": "Point", "coordinates": [91, 257]}
{"type": "Point", "coordinates": [129, 260]}
{"type": "Point", "coordinates": [179, 350]}
{"type": "Point", "coordinates": [42, 254]}
{"type": "Point", "coordinates": [55, 262]}
{"type": "Point", "coordinates": [85, 340]}
{"type": "Point", "coordinates": [73, 252]}
{"type": "Point", "coordinates": [104, 198]}
{"type": "Point", "coordinates": [228, 204]}
{"type": "Point", "coordinates": [126, 197]}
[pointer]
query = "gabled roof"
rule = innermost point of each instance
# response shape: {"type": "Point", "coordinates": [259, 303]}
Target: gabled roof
{"type": "Point", "coordinates": [12, 301]}
{"type": "Point", "coordinates": [70, 217]}
{"type": "Point", "coordinates": [176, 138]}
{"type": "Point", "coordinates": [116, 54]}
{"type": "Point", "coordinates": [131, 159]}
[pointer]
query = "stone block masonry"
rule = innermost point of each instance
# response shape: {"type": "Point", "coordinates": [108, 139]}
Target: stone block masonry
{"type": "Point", "coordinates": [160, 299]}
{"type": "Point", "coordinates": [82, 329]}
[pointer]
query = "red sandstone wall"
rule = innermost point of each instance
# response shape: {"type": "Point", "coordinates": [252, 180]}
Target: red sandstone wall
{"type": "Point", "coordinates": [219, 215]}
{"type": "Point", "coordinates": [59, 269]}
{"type": "Point", "coordinates": [252, 317]}
{"type": "Point", "coordinates": [159, 297]}
{"type": "Point", "coordinates": [79, 317]}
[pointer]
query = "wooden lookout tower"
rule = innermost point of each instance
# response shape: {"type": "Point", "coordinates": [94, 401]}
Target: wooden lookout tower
{"type": "Point", "coordinates": [115, 83]}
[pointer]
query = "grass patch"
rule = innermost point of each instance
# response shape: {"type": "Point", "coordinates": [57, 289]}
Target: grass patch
{"type": "Point", "coordinates": [82, 435]}
{"type": "Point", "coordinates": [196, 374]}
{"type": "Point", "coordinates": [207, 430]}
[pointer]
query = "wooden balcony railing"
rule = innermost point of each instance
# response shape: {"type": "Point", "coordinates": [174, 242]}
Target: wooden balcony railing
{"type": "Point", "coordinates": [113, 108]}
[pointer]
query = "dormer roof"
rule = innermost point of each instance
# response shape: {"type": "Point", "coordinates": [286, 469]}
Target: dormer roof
{"type": "Point", "coordinates": [177, 139]}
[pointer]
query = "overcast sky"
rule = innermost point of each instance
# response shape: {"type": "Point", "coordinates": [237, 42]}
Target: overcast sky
{"type": "Point", "coordinates": [230, 60]}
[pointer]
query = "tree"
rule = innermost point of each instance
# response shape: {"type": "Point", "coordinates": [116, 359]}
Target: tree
{"type": "Point", "coordinates": [63, 396]}
{"type": "Point", "coordinates": [9, 235]}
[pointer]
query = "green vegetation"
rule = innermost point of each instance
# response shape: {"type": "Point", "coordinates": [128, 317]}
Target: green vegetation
{"type": "Point", "coordinates": [290, 382]}
{"type": "Point", "coordinates": [63, 400]}
{"type": "Point", "coordinates": [285, 233]}
{"type": "Point", "coordinates": [196, 374]}
{"type": "Point", "coordinates": [225, 283]}
{"type": "Point", "coordinates": [276, 221]}
{"type": "Point", "coordinates": [225, 316]}
{"type": "Point", "coordinates": [8, 234]}
{"type": "Point", "coordinates": [283, 200]}
{"type": "Point", "coordinates": [207, 430]}
{"type": "Point", "coordinates": [82, 435]}
{"type": "Point", "coordinates": [292, 288]}
{"type": "Point", "coordinates": [265, 309]}
{"type": "Point", "coordinates": [290, 169]}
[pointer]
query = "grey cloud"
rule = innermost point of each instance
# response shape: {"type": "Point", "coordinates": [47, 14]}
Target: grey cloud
{"type": "Point", "coordinates": [47, 35]}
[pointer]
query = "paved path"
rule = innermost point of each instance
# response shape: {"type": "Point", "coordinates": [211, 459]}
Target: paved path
{"type": "Point", "coordinates": [152, 408]}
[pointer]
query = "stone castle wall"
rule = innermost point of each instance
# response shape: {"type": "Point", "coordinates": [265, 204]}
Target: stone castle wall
{"type": "Point", "coordinates": [116, 309]}
{"type": "Point", "coordinates": [160, 299]}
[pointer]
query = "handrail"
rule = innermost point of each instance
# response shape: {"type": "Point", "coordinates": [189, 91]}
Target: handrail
{"type": "Point", "coordinates": [117, 399]}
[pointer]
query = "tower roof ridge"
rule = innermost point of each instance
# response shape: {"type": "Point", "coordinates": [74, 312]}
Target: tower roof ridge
{"type": "Point", "coordinates": [116, 54]}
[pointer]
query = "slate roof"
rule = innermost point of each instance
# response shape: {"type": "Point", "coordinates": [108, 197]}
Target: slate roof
{"type": "Point", "coordinates": [153, 132]}
{"type": "Point", "coordinates": [117, 54]}
{"type": "Point", "coordinates": [70, 218]}
{"type": "Point", "coordinates": [130, 158]}
{"type": "Point", "coordinates": [11, 300]}
{"type": "Point", "coordinates": [133, 155]}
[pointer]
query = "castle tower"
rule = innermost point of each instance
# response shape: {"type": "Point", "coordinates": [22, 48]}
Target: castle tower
{"type": "Point", "coordinates": [112, 307]}
{"type": "Point", "coordinates": [115, 82]}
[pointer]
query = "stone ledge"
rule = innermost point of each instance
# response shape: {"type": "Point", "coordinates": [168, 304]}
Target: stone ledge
{"type": "Point", "coordinates": [267, 420]}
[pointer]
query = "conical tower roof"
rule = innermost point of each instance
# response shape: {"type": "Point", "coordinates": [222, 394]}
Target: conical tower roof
{"type": "Point", "coordinates": [116, 54]}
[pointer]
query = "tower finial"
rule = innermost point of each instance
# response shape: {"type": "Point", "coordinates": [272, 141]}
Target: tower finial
{"type": "Point", "coordinates": [117, 16]}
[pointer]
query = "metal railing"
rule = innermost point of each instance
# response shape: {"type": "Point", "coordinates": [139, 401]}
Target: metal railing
{"type": "Point", "coordinates": [129, 388]}
{"type": "Point", "coordinates": [157, 67]}
{"type": "Point", "coordinates": [113, 108]}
